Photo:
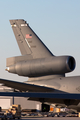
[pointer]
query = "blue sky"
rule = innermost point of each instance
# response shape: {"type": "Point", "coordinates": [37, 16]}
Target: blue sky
{"type": "Point", "coordinates": [56, 22]}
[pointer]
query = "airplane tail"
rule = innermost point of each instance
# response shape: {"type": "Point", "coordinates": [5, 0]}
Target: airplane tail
{"type": "Point", "coordinates": [31, 47]}
{"type": "Point", "coordinates": [28, 42]}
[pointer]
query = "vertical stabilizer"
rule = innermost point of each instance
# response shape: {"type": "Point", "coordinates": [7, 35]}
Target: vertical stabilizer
{"type": "Point", "coordinates": [28, 41]}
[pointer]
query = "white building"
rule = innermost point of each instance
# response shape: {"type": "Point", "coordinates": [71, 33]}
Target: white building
{"type": "Point", "coordinates": [6, 102]}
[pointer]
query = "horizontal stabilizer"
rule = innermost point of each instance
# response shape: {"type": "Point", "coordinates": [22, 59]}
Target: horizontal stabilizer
{"type": "Point", "coordinates": [25, 86]}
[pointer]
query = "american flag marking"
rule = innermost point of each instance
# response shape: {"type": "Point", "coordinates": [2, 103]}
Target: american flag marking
{"type": "Point", "coordinates": [28, 35]}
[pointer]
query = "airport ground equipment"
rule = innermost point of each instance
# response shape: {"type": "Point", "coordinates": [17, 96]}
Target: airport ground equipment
{"type": "Point", "coordinates": [15, 110]}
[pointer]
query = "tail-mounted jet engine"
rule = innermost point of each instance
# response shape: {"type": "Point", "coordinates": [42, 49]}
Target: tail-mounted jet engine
{"type": "Point", "coordinates": [43, 66]}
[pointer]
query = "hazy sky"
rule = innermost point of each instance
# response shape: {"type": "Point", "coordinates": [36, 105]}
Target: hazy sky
{"type": "Point", "coordinates": [56, 22]}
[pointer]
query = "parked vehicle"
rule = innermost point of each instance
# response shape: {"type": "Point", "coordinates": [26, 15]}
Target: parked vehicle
{"type": "Point", "coordinates": [73, 114]}
{"type": "Point", "coordinates": [15, 110]}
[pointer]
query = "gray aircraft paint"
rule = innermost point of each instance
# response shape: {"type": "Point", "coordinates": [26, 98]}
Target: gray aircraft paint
{"type": "Point", "coordinates": [38, 60]}
{"type": "Point", "coordinates": [27, 45]}
{"type": "Point", "coordinates": [50, 75]}
{"type": "Point", "coordinates": [43, 66]}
